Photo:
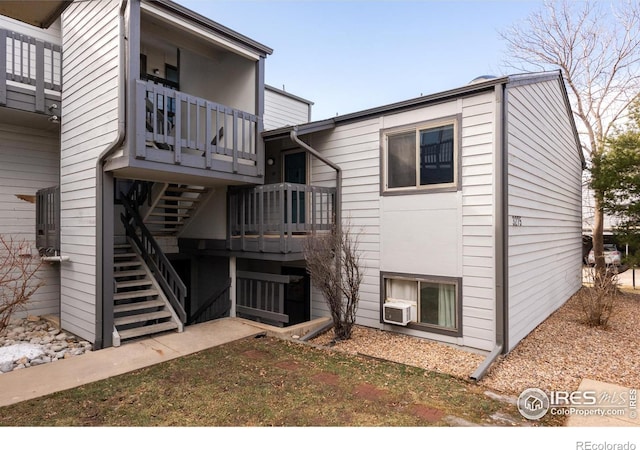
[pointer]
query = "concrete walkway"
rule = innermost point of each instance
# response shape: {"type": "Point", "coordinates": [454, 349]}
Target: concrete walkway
{"type": "Point", "coordinates": [65, 374]}
{"type": "Point", "coordinates": [614, 402]}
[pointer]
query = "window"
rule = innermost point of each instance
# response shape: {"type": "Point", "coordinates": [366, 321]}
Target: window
{"type": "Point", "coordinates": [436, 299]}
{"type": "Point", "coordinates": [423, 157]}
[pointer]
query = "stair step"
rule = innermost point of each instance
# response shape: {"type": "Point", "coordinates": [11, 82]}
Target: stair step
{"type": "Point", "coordinates": [128, 307]}
{"type": "Point", "coordinates": [165, 206]}
{"type": "Point", "coordinates": [163, 222]}
{"type": "Point", "coordinates": [183, 189]}
{"type": "Point", "coordinates": [128, 273]}
{"type": "Point", "coordinates": [124, 255]}
{"type": "Point", "coordinates": [137, 318]}
{"type": "Point", "coordinates": [135, 294]}
{"type": "Point", "coordinates": [149, 329]}
{"type": "Point", "coordinates": [122, 246]}
{"type": "Point", "coordinates": [180, 199]}
{"type": "Point", "coordinates": [164, 214]}
{"type": "Point", "coordinates": [127, 264]}
{"type": "Point", "coordinates": [133, 283]}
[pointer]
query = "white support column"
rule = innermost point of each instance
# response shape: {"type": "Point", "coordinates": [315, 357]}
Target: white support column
{"type": "Point", "coordinates": [232, 289]}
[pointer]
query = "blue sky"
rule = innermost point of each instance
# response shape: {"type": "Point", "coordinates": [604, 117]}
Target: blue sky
{"type": "Point", "coordinates": [346, 56]}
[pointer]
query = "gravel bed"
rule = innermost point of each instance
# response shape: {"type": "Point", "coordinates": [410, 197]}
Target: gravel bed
{"type": "Point", "coordinates": [557, 355]}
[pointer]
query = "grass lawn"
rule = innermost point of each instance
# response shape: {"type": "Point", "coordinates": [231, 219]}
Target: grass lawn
{"type": "Point", "coordinates": [266, 382]}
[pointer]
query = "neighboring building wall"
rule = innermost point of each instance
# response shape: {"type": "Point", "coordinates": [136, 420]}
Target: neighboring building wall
{"type": "Point", "coordinates": [29, 160]}
{"type": "Point", "coordinates": [89, 125]}
{"type": "Point", "coordinates": [282, 109]}
{"type": "Point", "coordinates": [544, 206]}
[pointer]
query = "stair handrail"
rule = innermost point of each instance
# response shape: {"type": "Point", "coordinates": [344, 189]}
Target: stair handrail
{"type": "Point", "coordinates": [210, 301]}
{"type": "Point", "coordinates": [162, 269]}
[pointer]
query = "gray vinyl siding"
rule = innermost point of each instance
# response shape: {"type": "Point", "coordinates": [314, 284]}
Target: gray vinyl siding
{"type": "Point", "coordinates": [281, 110]}
{"type": "Point", "coordinates": [89, 125]}
{"type": "Point", "coordinates": [29, 160]}
{"type": "Point", "coordinates": [544, 185]}
{"type": "Point", "coordinates": [355, 148]}
{"type": "Point", "coordinates": [478, 237]}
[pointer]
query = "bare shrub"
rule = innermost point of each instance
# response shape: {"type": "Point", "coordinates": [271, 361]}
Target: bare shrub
{"type": "Point", "coordinates": [599, 299]}
{"type": "Point", "coordinates": [18, 277]}
{"type": "Point", "coordinates": [333, 262]}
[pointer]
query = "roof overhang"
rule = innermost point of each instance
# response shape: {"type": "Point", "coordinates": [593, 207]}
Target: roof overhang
{"type": "Point", "coordinates": [34, 12]}
{"type": "Point", "coordinates": [203, 26]}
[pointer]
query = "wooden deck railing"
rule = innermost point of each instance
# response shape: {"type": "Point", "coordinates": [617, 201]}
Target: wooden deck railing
{"type": "Point", "coordinates": [261, 296]}
{"type": "Point", "coordinates": [29, 61]}
{"type": "Point", "coordinates": [178, 128]}
{"type": "Point", "coordinates": [267, 218]}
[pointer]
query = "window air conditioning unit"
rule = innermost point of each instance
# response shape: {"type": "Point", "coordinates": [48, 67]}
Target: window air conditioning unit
{"type": "Point", "coordinates": [397, 313]}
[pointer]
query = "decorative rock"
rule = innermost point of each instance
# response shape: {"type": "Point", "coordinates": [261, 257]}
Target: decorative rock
{"type": "Point", "coordinates": [40, 343]}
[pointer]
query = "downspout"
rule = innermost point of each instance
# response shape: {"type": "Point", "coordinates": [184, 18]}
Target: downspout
{"type": "Point", "coordinates": [294, 137]}
{"type": "Point", "coordinates": [500, 213]}
{"type": "Point", "coordinates": [117, 142]}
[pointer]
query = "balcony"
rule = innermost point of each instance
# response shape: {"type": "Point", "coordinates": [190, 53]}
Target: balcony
{"type": "Point", "coordinates": [32, 71]}
{"type": "Point", "coordinates": [180, 129]}
{"type": "Point", "coordinates": [276, 218]}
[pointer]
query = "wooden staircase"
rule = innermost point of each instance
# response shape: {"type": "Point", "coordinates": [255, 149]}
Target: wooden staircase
{"type": "Point", "coordinates": [172, 208]}
{"type": "Point", "coordinates": [140, 307]}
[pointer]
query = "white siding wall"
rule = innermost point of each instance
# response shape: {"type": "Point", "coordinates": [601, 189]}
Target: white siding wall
{"type": "Point", "coordinates": [440, 234]}
{"type": "Point", "coordinates": [281, 110]}
{"type": "Point", "coordinates": [545, 192]}
{"type": "Point", "coordinates": [478, 226]}
{"type": "Point", "coordinates": [29, 160]}
{"type": "Point", "coordinates": [355, 149]}
{"type": "Point", "coordinates": [89, 125]}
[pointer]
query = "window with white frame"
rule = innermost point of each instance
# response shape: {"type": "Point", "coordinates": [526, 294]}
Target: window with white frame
{"type": "Point", "coordinates": [437, 300]}
{"type": "Point", "coordinates": [422, 157]}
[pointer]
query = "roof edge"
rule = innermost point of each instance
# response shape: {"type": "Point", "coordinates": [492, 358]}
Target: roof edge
{"type": "Point", "coordinates": [287, 94]}
{"type": "Point", "coordinates": [387, 109]}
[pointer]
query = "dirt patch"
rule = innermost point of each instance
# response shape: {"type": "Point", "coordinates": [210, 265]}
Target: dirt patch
{"type": "Point", "coordinates": [327, 378]}
{"type": "Point", "coordinates": [255, 354]}
{"type": "Point", "coordinates": [288, 365]}
{"type": "Point", "coordinates": [369, 392]}
{"type": "Point", "coordinates": [424, 412]}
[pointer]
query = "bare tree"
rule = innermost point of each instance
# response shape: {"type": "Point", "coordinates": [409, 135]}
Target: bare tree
{"type": "Point", "coordinates": [333, 262]}
{"type": "Point", "coordinates": [18, 277]}
{"type": "Point", "coordinates": [597, 50]}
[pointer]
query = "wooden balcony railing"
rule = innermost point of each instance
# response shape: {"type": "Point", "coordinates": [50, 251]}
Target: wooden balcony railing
{"type": "Point", "coordinates": [32, 63]}
{"type": "Point", "coordinates": [179, 128]}
{"type": "Point", "coordinates": [272, 218]}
